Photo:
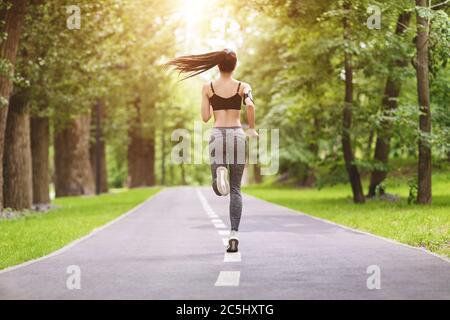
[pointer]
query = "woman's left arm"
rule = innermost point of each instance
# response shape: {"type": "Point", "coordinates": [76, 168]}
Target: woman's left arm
{"type": "Point", "coordinates": [206, 106]}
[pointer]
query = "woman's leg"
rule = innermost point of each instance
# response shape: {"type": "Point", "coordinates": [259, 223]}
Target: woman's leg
{"type": "Point", "coordinates": [214, 178]}
{"type": "Point", "coordinates": [236, 171]}
{"type": "Point", "coordinates": [217, 155]}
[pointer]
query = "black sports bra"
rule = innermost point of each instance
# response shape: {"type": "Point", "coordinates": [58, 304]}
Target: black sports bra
{"type": "Point", "coordinates": [220, 103]}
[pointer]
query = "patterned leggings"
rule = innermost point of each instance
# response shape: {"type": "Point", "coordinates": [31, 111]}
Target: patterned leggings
{"type": "Point", "coordinates": [227, 149]}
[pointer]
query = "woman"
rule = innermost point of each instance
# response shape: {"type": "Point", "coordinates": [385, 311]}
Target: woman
{"type": "Point", "coordinates": [222, 99]}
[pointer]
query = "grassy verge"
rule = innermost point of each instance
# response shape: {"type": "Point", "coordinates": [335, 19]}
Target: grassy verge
{"type": "Point", "coordinates": [37, 234]}
{"type": "Point", "coordinates": [421, 226]}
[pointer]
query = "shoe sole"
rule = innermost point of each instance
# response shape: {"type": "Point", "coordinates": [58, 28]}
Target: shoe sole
{"type": "Point", "coordinates": [222, 181]}
{"type": "Point", "coordinates": [233, 245]}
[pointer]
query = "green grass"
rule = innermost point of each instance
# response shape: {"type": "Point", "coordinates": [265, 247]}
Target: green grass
{"type": "Point", "coordinates": [416, 225]}
{"type": "Point", "coordinates": [37, 234]}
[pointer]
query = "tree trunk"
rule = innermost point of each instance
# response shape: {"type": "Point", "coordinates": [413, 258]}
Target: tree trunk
{"type": "Point", "coordinates": [18, 191]}
{"type": "Point", "coordinates": [141, 154]}
{"type": "Point", "coordinates": [12, 20]}
{"type": "Point", "coordinates": [40, 141]}
{"type": "Point", "coordinates": [97, 149]}
{"type": "Point", "coordinates": [352, 169]}
{"type": "Point", "coordinates": [389, 103]}
{"type": "Point", "coordinates": [423, 89]}
{"type": "Point", "coordinates": [171, 175]}
{"type": "Point", "coordinates": [73, 172]}
{"type": "Point", "coordinates": [369, 143]}
{"type": "Point", "coordinates": [257, 177]}
{"type": "Point", "coordinates": [309, 178]}
{"type": "Point", "coordinates": [183, 175]}
{"type": "Point", "coordinates": [141, 159]}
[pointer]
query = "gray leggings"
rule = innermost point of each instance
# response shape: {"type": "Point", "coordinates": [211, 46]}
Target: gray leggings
{"type": "Point", "coordinates": [227, 149]}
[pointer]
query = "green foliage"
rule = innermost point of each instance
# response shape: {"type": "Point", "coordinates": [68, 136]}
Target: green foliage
{"type": "Point", "coordinates": [439, 37]}
{"type": "Point", "coordinates": [297, 59]}
{"type": "Point", "coordinates": [413, 187]}
{"type": "Point", "coordinates": [6, 68]}
{"type": "Point", "coordinates": [291, 52]}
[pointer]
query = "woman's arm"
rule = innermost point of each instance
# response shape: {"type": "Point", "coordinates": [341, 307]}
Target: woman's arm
{"type": "Point", "coordinates": [248, 101]}
{"type": "Point", "coordinates": [206, 107]}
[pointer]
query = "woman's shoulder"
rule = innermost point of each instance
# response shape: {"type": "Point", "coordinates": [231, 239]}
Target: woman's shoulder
{"type": "Point", "coordinates": [206, 86]}
{"type": "Point", "coordinates": [245, 86]}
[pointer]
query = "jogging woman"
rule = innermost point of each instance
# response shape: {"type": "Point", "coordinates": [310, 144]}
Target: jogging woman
{"type": "Point", "coordinates": [222, 99]}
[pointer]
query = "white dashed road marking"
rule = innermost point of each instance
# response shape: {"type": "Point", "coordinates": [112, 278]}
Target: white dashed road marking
{"type": "Point", "coordinates": [220, 226]}
{"type": "Point", "coordinates": [228, 278]}
{"type": "Point", "coordinates": [225, 278]}
{"type": "Point", "coordinates": [232, 257]}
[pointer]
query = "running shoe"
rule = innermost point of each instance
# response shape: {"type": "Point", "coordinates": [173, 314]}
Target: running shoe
{"type": "Point", "coordinates": [222, 181]}
{"type": "Point", "coordinates": [233, 242]}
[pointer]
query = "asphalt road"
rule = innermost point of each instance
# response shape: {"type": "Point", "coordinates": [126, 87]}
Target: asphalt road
{"type": "Point", "coordinates": [172, 247]}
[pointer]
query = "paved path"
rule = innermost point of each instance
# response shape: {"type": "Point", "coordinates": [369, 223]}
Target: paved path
{"type": "Point", "coordinates": [170, 248]}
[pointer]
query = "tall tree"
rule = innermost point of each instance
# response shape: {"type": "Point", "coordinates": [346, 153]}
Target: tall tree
{"type": "Point", "coordinates": [73, 172]}
{"type": "Point", "coordinates": [11, 16]}
{"type": "Point", "coordinates": [388, 104]}
{"type": "Point", "coordinates": [141, 151]}
{"type": "Point", "coordinates": [423, 90]}
{"type": "Point", "coordinates": [97, 149]}
{"type": "Point", "coordinates": [352, 169]}
{"type": "Point", "coordinates": [18, 161]}
{"type": "Point", "coordinates": [17, 192]}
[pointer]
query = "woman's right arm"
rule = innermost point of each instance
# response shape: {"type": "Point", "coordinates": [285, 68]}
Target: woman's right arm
{"type": "Point", "coordinates": [206, 106]}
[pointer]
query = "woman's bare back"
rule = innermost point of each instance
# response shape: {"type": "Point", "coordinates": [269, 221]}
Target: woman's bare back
{"type": "Point", "coordinates": [226, 88]}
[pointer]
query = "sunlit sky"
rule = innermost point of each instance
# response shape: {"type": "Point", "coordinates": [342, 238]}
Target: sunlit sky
{"type": "Point", "coordinates": [207, 27]}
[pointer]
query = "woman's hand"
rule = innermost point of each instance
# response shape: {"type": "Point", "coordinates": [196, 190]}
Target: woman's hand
{"type": "Point", "coordinates": [252, 133]}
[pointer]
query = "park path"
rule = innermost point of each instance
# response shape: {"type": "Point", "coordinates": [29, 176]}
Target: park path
{"type": "Point", "coordinates": [172, 247]}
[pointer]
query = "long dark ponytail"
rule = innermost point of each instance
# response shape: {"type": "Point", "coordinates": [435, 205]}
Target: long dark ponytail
{"type": "Point", "coordinates": [192, 65]}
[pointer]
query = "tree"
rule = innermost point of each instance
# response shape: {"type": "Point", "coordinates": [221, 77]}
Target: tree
{"type": "Point", "coordinates": [18, 164]}
{"type": "Point", "coordinates": [141, 152]}
{"type": "Point", "coordinates": [12, 16]}
{"type": "Point", "coordinates": [73, 172]}
{"type": "Point", "coordinates": [423, 90]}
{"type": "Point", "coordinates": [145, 83]}
{"type": "Point", "coordinates": [389, 103]}
{"type": "Point", "coordinates": [17, 192]}
{"type": "Point", "coordinates": [352, 169]}
{"type": "Point", "coordinates": [97, 148]}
